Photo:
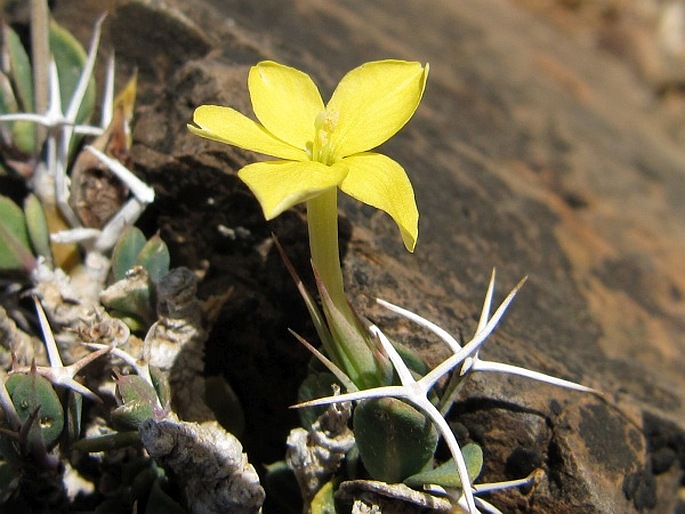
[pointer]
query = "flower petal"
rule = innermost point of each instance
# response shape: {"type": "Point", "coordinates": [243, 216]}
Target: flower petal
{"type": "Point", "coordinates": [286, 101]}
{"type": "Point", "coordinates": [279, 185]}
{"type": "Point", "coordinates": [377, 180]}
{"type": "Point", "coordinates": [226, 125]}
{"type": "Point", "coordinates": [373, 102]}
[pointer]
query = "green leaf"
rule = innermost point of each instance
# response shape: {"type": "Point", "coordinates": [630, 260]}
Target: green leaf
{"type": "Point", "coordinates": [20, 99]}
{"type": "Point", "coordinates": [411, 358]}
{"type": "Point", "coordinates": [160, 502]}
{"type": "Point", "coordinates": [446, 474]}
{"type": "Point", "coordinates": [9, 481]}
{"type": "Point", "coordinates": [107, 442]}
{"type": "Point", "coordinates": [15, 248]}
{"type": "Point", "coordinates": [37, 225]}
{"type": "Point", "coordinates": [70, 58]}
{"type": "Point", "coordinates": [282, 492]}
{"type": "Point", "coordinates": [131, 415]}
{"type": "Point", "coordinates": [160, 380]}
{"type": "Point", "coordinates": [125, 252]}
{"type": "Point", "coordinates": [24, 136]}
{"type": "Point", "coordinates": [315, 385]}
{"type": "Point", "coordinates": [324, 501]}
{"type": "Point", "coordinates": [139, 401]}
{"type": "Point", "coordinates": [224, 402]}
{"type": "Point", "coordinates": [8, 102]}
{"type": "Point", "coordinates": [154, 257]}
{"type": "Point", "coordinates": [19, 72]}
{"type": "Point", "coordinates": [133, 388]}
{"type": "Point", "coordinates": [74, 414]}
{"type": "Point", "coordinates": [131, 297]}
{"type": "Point", "coordinates": [32, 391]}
{"type": "Point", "coordinates": [134, 323]}
{"type": "Point", "coordinates": [394, 440]}
{"type": "Point", "coordinates": [142, 480]}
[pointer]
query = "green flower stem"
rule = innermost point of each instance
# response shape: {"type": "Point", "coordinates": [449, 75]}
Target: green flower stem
{"type": "Point", "coordinates": [352, 352]}
{"type": "Point", "coordinates": [322, 219]}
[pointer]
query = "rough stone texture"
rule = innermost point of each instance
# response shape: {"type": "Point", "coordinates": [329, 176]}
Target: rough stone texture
{"type": "Point", "coordinates": [533, 151]}
{"type": "Point", "coordinates": [212, 469]}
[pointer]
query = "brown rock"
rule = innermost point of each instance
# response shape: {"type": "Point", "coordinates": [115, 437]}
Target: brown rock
{"type": "Point", "coordinates": [531, 152]}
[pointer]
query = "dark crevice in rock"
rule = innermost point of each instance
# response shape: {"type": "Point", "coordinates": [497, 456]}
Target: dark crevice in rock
{"type": "Point", "coordinates": [530, 152]}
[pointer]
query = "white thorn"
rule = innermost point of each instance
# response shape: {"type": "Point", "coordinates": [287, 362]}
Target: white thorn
{"type": "Point", "coordinates": [140, 189]}
{"type": "Point", "coordinates": [50, 343]}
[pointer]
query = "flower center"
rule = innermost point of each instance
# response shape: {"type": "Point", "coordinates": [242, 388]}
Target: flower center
{"type": "Point", "coordinates": [324, 125]}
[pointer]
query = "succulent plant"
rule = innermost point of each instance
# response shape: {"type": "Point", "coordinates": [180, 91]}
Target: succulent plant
{"type": "Point", "coordinates": [137, 265]}
{"type": "Point", "coordinates": [394, 439]}
{"type": "Point", "coordinates": [90, 272]}
{"type": "Point", "coordinates": [446, 475]}
{"type": "Point", "coordinates": [416, 392]}
{"type": "Point", "coordinates": [20, 135]}
{"type": "Point", "coordinates": [32, 395]}
{"type": "Point", "coordinates": [15, 246]}
{"type": "Point", "coordinates": [138, 402]}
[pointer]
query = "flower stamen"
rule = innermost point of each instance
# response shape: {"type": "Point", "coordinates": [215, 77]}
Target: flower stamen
{"type": "Point", "coordinates": [325, 125]}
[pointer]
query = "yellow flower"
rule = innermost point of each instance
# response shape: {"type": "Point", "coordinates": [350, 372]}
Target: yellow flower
{"type": "Point", "coordinates": [324, 146]}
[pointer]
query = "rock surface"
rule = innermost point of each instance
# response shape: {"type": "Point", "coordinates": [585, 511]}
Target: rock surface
{"type": "Point", "coordinates": [533, 152]}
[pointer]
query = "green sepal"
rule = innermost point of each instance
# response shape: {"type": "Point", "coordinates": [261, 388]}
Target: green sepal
{"type": "Point", "coordinates": [355, 351]}
{"type": "Point", "coordinates": [312, 308]}
{"type": "Point", "coordinates": [394, 439]}
{"type": "Point", "coordinates": [30, 392]}
{"type": "Point", "coordinates": [37, 226]}
{"type": "Point", "coordinates": [154, 257]}
{"type": "Point", "coordinates": [15, 248]}
{"type": "Point", "coordinates": [126, 251]}
{"type": "Point", "coordinates": [446, 474]}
